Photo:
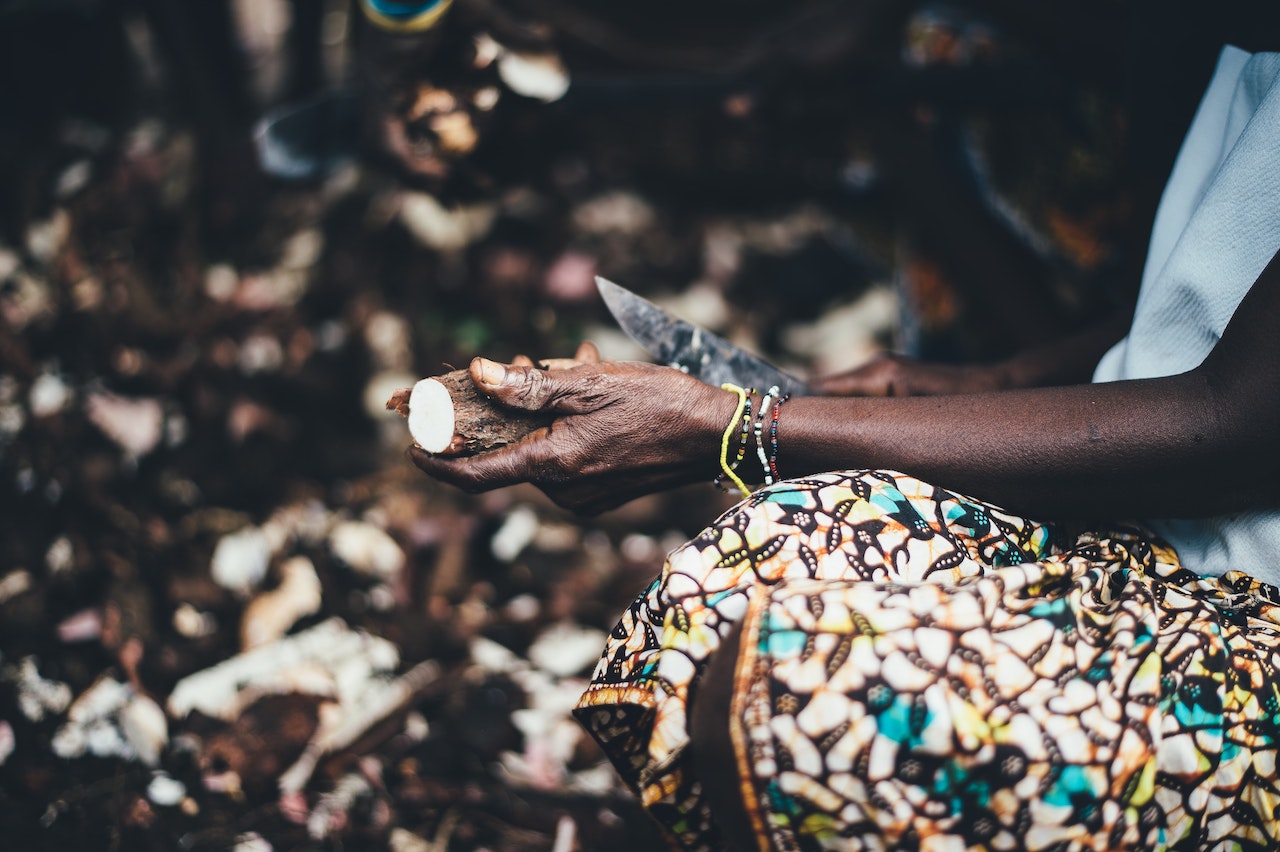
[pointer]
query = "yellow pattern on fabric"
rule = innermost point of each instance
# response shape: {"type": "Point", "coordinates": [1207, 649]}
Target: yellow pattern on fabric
{"type": "Point", "coordinates": [901, 682]}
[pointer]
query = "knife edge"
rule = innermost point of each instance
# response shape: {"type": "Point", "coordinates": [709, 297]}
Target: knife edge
{"type": "Point", "coordinates": [690, 348]}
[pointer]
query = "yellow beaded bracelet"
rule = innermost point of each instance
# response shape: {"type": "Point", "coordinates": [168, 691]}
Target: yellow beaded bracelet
{"type": "Point", "coordinates": [729, 472]}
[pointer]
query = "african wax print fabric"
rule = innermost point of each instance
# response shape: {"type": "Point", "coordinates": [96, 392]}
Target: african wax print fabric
{"type": "Point", "coordinates": [922, 670]}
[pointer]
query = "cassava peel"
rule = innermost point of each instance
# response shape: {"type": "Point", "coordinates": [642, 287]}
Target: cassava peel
{"type": "Point", "coordinates": [448, 415]}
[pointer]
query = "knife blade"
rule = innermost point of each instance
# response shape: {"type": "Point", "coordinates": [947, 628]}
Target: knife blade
{"type": "Point", "coordinates": [690, 348]}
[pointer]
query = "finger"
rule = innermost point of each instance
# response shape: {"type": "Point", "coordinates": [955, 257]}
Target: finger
{"type": "Point", "coordinates": [589, 495]}
{"type": "Point", "coordinates": [559, 363]}
{"type": "Point", "coordinates": [522, 361]}
{"type": "Point", "coordinates": [498, 468]}
{"type": "Point", "coordinates": [872, 380]}
{"type": "Point", "coordinates": [586, 354]}
{"type": "Point", "coordinates": [532, 389]}
{"type": "Point", "coordinates": [841, 385]}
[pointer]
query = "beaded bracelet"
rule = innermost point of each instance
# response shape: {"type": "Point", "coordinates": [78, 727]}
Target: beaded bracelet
{"type": "Point", "coordinates": [743, 411]}
{"type": "Point", "coordinates": [771, 474]}
{"type": "Point", "coordinates": [745, 436]}
{"type": "Point", "coordinates": [771, 394]}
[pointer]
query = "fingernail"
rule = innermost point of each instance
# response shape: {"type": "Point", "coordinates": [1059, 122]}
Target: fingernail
{"type": "Point", "coordinates": [492, 372]}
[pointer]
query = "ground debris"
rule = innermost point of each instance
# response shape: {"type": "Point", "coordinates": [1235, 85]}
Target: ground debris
{"type": "Point", "coordinates": [111, 719]}
{"type": "Point", "coordinates": [232, 614]}
{"type": "Point", "coordinates": [329, 659]}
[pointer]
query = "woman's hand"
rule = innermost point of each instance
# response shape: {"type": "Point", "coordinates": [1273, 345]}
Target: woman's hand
{"type": "Point", "coordinates": [1062, 361]}
{"type": "Point", "coordinates": [899, 375]}
{"type": "Point", "coordinates": [621, 430]}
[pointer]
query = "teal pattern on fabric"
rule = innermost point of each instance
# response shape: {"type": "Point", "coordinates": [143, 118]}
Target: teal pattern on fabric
{"type": "Point", "coordinates": [1072, 783]}
{"type": "Point", "coordinates": [898, 722]}
{"type": "Point", "coordinates": [906, 679]}
{"type": "Point", "coordinates": [785, 644]}
{"type": "Point", "coordinates": [785, 497]}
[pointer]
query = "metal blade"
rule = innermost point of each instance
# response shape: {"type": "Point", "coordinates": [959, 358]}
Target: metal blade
{"type": "Point", "coordinates": [687, 347]}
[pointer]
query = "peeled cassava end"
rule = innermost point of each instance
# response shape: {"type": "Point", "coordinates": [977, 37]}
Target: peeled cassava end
{"type": "Point", "coordinates": [431, 419]}
{"type": "Point", "coordinates": [448, 415]}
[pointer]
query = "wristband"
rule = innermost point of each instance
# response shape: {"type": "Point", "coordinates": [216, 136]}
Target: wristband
{"type": "Point", "coordinates": [743, 410]}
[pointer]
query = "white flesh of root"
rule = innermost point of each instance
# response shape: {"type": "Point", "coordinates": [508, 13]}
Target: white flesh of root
{"type": "Point", "coordinates": [431, 420]}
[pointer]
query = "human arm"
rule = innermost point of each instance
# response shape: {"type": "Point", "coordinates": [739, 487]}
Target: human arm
{"type": "Point", "coordinates": [1126, 449]}
{"type": "Point", "coordinates": [1060, 362]}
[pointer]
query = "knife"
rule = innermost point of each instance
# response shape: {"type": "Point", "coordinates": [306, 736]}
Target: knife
{"type": "Point", "coordinates": [689, 348]}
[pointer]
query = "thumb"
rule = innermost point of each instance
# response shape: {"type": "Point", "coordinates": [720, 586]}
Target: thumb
{"type": "Point", "coordinates": [531, 388]}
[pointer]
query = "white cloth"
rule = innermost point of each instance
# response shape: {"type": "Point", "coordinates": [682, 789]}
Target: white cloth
{"type": "Point", "coordinates": [1217, 226]}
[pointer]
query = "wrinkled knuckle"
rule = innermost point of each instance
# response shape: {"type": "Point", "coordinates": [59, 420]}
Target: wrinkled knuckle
{"type": "Point", "coordinates": [531, 388]}
{"type": "Point", "coordinates": [509, 472]}
{"type": "Point", "coordinates": [599, 389]}
{"type": "Point", "coordinates": [479, 481]}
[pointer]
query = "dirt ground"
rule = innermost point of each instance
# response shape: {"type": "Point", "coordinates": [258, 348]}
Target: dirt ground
{"type": "Point", "coordinates": [195, 459]}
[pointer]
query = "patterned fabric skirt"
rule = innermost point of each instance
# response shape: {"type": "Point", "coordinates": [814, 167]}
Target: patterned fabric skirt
{"type": "Point", "coordinates": [921, 670]}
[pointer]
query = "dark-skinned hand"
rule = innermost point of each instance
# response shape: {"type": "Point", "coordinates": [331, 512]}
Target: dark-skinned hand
{"type": "Point", "coordinates": [900, 375]}
{"type": "Point", "coordinates": [621, 429]}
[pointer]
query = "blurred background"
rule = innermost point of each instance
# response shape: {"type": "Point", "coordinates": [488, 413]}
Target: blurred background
{"type": "Point", "coordinates": [232, 615]}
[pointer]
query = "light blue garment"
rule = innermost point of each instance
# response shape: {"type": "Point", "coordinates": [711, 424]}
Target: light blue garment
{"type": "Point", "coordinates": [1217, 226]}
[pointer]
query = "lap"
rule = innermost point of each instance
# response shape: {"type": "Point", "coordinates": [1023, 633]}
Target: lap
{"type": "Point", "coordinates": [901, 641]}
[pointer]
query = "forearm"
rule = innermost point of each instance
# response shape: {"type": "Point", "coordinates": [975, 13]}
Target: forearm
{"type": "Point", "coordinates": [1193, 444]}
{"type": "Point", "coordinates": [1197, 443]}
{"type": "Point", "coordinates": [1121, 450]}
{"type": "Point", "coordinates": [1070, 360]}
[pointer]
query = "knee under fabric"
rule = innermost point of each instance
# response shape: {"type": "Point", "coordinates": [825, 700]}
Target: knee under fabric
{"type": "Point", "coordinates": [920, 669]}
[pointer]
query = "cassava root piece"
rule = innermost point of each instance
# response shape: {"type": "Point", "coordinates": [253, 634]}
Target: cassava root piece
{"type": "Point", "coordinates": [447, 414]}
